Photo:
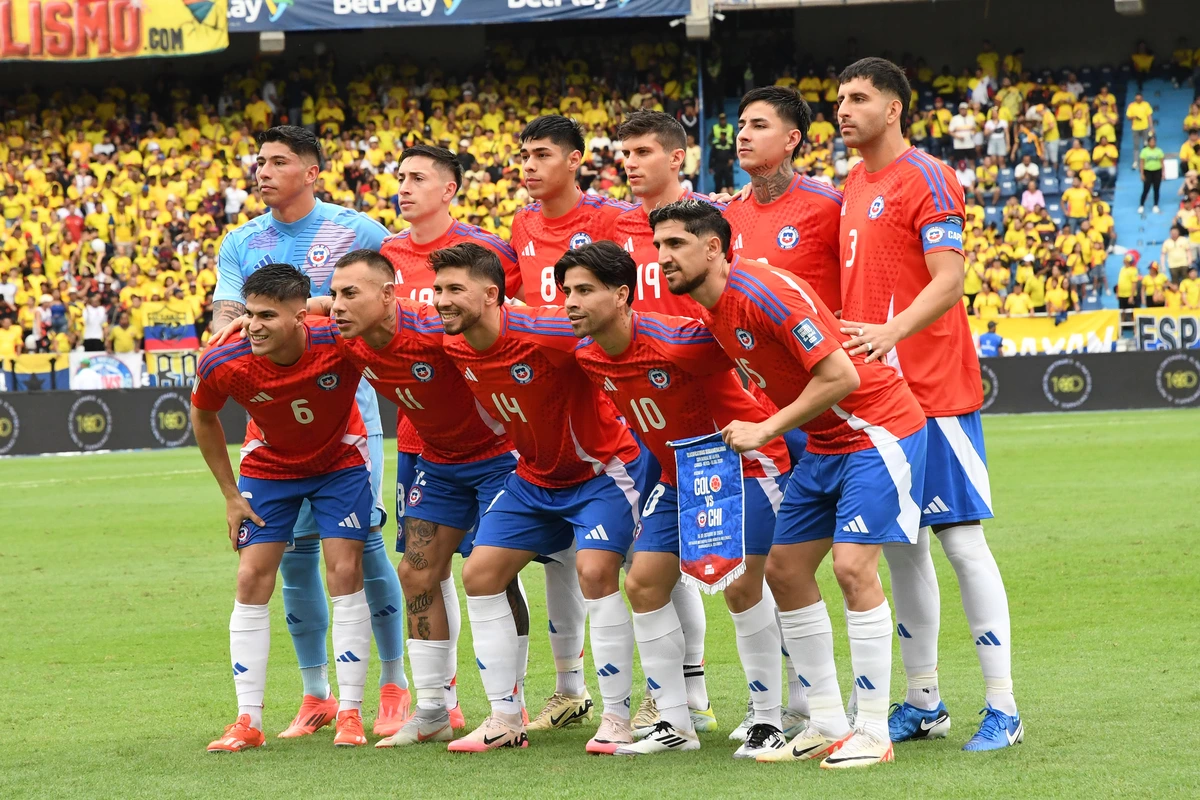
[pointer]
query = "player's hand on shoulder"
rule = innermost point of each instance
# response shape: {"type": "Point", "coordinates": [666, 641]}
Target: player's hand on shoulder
{"type": "Point", "coordinates": [726, 198]}
{"type": "Point", "coordinates": [237, 511]}
{"type": "Point", "coordinates": [741, 436]}
{"type": "Point", "coordinates": [235, 329]}
{"type": "Point", "coordinates": [319, 306]}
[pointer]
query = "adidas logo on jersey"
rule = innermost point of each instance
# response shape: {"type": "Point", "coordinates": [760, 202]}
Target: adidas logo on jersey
{"type": "Point", "coordinates": [529, 251]}
{"type": "Point", "coordinates": [469, 375]}
{"type": "Point", "coordinates": [597, 534]}
{"type": "Point", "coordinates": [856, 525]}
{"type": "Point", "coordinates": [935, 507]}
{"type": "Point", "coordinates": [261, 397]}
{"type": "Point", "coordinates": [737, 243]}
{"type": "Point", "coordinates": [629, 245]}
{"type": "Point", "coordinates": [609, 386]}
{"type": "Point", "coordinates": [350, 521]}
{"type": "Point", "coordinates": [369, 374]}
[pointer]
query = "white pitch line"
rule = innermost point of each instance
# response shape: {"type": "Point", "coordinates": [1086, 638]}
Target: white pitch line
{"type": "Point", "coordinates": [123, 476]}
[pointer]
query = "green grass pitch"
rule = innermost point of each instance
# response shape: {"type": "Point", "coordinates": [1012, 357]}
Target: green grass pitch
{"type": "Point", "coordinates": [116, 583]}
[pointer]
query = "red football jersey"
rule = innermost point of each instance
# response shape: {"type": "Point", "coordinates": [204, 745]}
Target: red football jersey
{"type": "Point", "coordinates": [797, 232]}
{"type": "Point", "coordinates": [414, 372]}
{"type": "Point", "coordinates": [674, 382]}
{"type": "Point", "coordinates": [777, 329]}
{"type": "Point", "coordinates": [303, 418]}
{"type": "Point", "coordinates": [414, 278]}
{"type": "Point", "coordinates": [565, 430]}
{"type": "Point", "coordinates": [891, 219]}
{"type": "Point", "coordinates": [541, 242]}
{"type": "Point", "coordinates": [633, 232]}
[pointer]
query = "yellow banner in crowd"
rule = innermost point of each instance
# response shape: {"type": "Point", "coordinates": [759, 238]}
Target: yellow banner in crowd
{"type": "Point", "coordinates": [96, 30]}
{"type": "Point", "coordinates": [171, 367]}
{"type": "Point", "coordinates": [1167, 329]}
{"type": "Point", "coordinates": [1085, 332]}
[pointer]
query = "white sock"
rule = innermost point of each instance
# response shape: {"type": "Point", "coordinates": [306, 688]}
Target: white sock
{"type": "Point", "coordinates": [428, 660]}
{"type": "Point", "coordinates": [567, 612]}
{"type": "Point", "coordinates": [495, 637]}
{"type": "Point", "coordinates": [918, 617]}
{"type": "Point", "coordinates": [689, 608]}
{"type": "Point", "coordinates": [808, 634]}
{"type": "Point", "coordinates": [759, 649]}
{"type": "Point", "coordinates": [454, 623]}
{"type": "Point", "coordinates": [797, 699]}
{"type": "Point", "coordinates": [612, 651]}
{"type": "Point", "coordinates": [351, 647]}
{"type": "Point", "coordinates": [986, 605]}
{"type": "Point", "coordinates": [661, 645]}
{"type": "Point", "coordinates": [871, 657]}
{"type": "Point", "coordinates": [249, 645]}
{"type": "Point", "coordinates": [522, 667]}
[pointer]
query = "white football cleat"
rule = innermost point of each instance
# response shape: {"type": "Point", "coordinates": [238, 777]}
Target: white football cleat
{"type": "Point", "coordinates": [808, 743]}
{"type": "Point", "coordinates": [418, 728]}
{"type": "Point", "coordinates": [738, 734]}
{"type": "Point", "coordinates": [862, 749]}
{"type": "Point", "coordinates": [761, 739]}
{"type": "Point", "coordinates": [662, 738]}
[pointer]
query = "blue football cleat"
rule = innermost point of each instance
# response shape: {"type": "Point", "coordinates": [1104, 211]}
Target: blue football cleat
{"type": "Point", "coordinates": [998, 730]}
{"type": "Point", "coordinates": [909, 722]}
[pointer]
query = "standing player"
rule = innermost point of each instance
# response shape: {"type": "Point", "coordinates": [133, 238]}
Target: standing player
{"type": "Point", "coordinates": [788, 220]}
{"type": "Point", "coordinates": [855, 489]}
{"type": "Point", "coordinates": [313, 235]}
{"type": "Point", "coordinates": [670, 375]}
{"type": "Point", "coordinates": [305, 441]}
{"type": "Point", "coordinates": [902, 284]}
{"type": "Point", "coordinates": [562, 218]}
{"type": "Point", "coordinates": [579, 478]}
{"type": "Point", "coordinates": [429, 180]}
{"type": "Point", "coordinates": [653, 143]}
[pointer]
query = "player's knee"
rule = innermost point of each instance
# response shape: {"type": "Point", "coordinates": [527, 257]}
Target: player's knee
{"type": "Point", "coordinates": [645, 595]}
{"type": "Point", "coordinates": [416, 577]}
{"type": "Point", "coordinates": [344, 576]}
{"type": "Point", "coordinates": [743, 594]}
{"type": "Point", "coordinates": [856, 576]}
{"type": "Point", "coordinates": [597, 580]}
{"type": "Point", "coordinates": [481, 579]}
{"type": "Point", "coordinates": [255, 583]}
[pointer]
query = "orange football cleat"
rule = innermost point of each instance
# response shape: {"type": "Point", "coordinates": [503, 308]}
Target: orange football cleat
{"type": "Point", "coordinates": [349, 729]}
{"type": "Point", "coordinates": [313, 715]}
{"type": "Point", "coordinates": [457, 720]}
{"type": "Point", "coordinates": [238, 737]}
{"type": "Point", "coordinates": [394, 709]}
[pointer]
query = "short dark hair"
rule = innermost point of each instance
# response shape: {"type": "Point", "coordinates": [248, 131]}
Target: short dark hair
{"type": "Point", "coordinates": [884, 76]}
{"type": "Point", "coordinates": [372, 258]}
{"type": "Point", "coordinates": [478, 261]}
{"type": "Point", "coordinates": [698, 218]}
{"type": "Point", "coordinates": [789, 104]}
{"type": "Point", "coordinates": [666, 129]}
{"type": "Point", "coordinates": [440, 156]}
{"type": "Point", "coordinates": [279, 282]}
{"type": "Point", "coordinates": [608, 261]}
{"type": "Point", "coordinates": [300, 141]}
{"type": "Point", "coordinates": [560, 130]}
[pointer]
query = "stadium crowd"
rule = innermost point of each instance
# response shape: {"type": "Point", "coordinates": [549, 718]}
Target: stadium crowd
{"type": "Point", "coordinates": [115, 200]}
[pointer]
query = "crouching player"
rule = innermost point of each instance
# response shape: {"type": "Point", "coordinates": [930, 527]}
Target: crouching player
{"type": "Point", "coordinates": [305, 440]}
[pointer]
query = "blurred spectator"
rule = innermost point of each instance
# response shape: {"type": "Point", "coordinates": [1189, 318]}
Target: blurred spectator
{"type": "Point", "coordinates": [1150, 164]}
{"type": "Point", "coordinates": [1032, 198]}
{"type": "Point", "coordinates": [1128, 291]}
{"type": "Point", "coordinates": [1142, 61]}
{"type": "Point", "coordinates": [1189, 287]}
{"type": "Point", "coordinates": [1141, 121]}
{"type": "Point", "coordinates": [987, 304]}
{"type": "Point", "coordinates": [1177, 254]}
{"type": "Point", "coordinates": [1152, 287]}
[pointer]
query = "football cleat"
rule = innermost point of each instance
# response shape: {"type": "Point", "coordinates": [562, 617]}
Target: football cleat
{"type": "Point", "coordinates": [793, 723]}
{"type": "Point", "coordinates": [418, 728]}
{"type": "Point", "coordinates": [493, 733]}
{"type": "Point", "coordinates": [457, 721]}
{"type": "Point", "coordinates": [860, 749]}
{"type": "Point", "coordinates": [761, 738]}
{"type": "Point", "coordinates": [313, 715]}
{"type": "Point", "coordinates": [739, 733]}
{"type": "Point", "coordinates": [349, 729]}
{"type": "Point", "coordinates": [703, 721]}
{"type": "Point", "coordinates": [909, 722]}
{"type": "Point", "coordinates": [238, 737]}
{"type": "Point", "coordinates": [998, 730]}
{"type": "Point", "coordinates": [647, 715]}
{"type": "Point", "coordinates": [562, 710]}
{"type": "Point", "coordinates": [613, 733]}
{"type": "Point", "coordinates": [662, 738]}
{"type": "Point", "coordinates": [808, 743]}
{"type": "Point", "coordinates": [394, 709]}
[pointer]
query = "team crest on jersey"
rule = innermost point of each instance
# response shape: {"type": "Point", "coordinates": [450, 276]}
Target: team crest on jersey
{"type": "Point", "coordinates": [414, 496]}
{"type": "Point", "coordinates": [579, 240]}
{"type": "Point", "coordinates": [934, 235]}
{"type": "Point", "coordinates": [243, 533]}
{"type": "Point", "coordinates": [787, 238]}
{"type": "Point", "coordinates": [659, 378]}
{"type": "Point", "coordinates": [745, 338]}
{"type": "Point", "coordinates": [521, 373]}
{"type": "Point", "coordinates": [876, 208]}
{"type": "Point", "coordinates": [318, 254]}
{"type": "Point", "coordinates": [328, 381]}
{"type": "Point", "coordinates": [422, 372]}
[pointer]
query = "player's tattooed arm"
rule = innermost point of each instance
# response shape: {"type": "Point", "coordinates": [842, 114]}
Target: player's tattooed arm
{"type": "Point", "coordinates": [768, 186]}
{"type": "Point", "coordinates": [225, 312]}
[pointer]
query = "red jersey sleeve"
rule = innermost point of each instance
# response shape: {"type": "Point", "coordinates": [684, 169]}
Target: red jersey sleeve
{"type": "Point", "coordinates": [808, 329]}
{"type": "Point", "coordinates": [208, 392]}
{"type": "Point", "coordinates": [935, 202]}
{"type": "Point", "coordinates": [685, 342]}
